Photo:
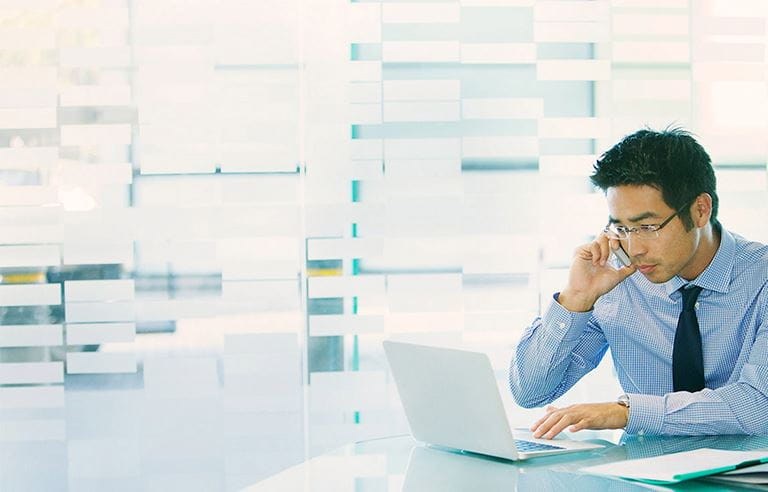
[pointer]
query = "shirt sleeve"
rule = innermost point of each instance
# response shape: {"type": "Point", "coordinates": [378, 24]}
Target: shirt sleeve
{"type": "Point", "coordinates": [737, 408]}
{"type": "Point", "coordinates": [553, 354]}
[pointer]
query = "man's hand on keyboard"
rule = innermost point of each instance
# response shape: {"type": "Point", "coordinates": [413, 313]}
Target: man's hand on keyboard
{"type": "Point", "coordinates": [578, 417]}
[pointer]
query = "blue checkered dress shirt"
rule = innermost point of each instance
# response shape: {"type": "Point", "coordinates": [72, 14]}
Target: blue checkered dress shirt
{"type": "Point", "coordinates": [637, 320]}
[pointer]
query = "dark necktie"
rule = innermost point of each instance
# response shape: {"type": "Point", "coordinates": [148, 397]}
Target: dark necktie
{"type": "Point", "coordinates": [687, 359]}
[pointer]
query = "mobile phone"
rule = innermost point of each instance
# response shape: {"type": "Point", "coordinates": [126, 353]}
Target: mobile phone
{"type": "Point", "coordinates": [622, 256]}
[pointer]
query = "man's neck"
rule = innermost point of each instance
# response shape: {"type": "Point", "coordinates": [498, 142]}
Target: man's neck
{"type": "Point", "coordinates": [710, 242]}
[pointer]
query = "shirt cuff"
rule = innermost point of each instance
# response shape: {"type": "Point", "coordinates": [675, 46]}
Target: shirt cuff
{"type": "Point", "coordinates": [570, 324]}
{"type": "Point", "coordinates": [646, 414]}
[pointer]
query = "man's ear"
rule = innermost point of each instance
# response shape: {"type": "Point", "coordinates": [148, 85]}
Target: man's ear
{"type": "Point", "coordinates": [701, 210]}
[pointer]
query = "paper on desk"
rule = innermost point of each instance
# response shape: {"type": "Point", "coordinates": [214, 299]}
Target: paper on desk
{"type": "Point", "coordinates": [756, 479]}
{"type": "Point", "coordinates": [676, 467]}
{"type": "Point", "coordinates": [752, 475]}
{"type": "Point", "coordinates": [751, 469]}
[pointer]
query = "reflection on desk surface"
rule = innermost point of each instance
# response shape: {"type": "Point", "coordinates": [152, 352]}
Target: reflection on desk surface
{"type": "Point", "coordinates": [437, 469]}
{"type": "Point", "coordinates": [431, 469]}
{"type": "Point", "coordinates": [402, 463]}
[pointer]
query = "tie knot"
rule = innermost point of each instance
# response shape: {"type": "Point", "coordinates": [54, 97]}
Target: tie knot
{"type": "Point", "coordinates": [690, 295]}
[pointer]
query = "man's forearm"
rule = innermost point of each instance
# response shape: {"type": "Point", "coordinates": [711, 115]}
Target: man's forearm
{"type": "Point", "coordinates": [733, 409]}
{"type": "Point", "coordinates": [574, 302]}
{"type": "Point", "coordinates": [534, 371]}
{"type": "Point", "coordinates": [545, 366]}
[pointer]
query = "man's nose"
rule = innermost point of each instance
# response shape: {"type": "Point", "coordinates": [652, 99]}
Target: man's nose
{"type": "Point", "coordinates": [635, 247]}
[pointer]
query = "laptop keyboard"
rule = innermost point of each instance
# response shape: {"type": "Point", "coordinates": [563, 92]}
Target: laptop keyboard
{"type": "Point", "coordinates": [528, 446]}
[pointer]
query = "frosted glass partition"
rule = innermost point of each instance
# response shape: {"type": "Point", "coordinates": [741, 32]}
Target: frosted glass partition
{"type": "Point", "coordinates": [212, 212]}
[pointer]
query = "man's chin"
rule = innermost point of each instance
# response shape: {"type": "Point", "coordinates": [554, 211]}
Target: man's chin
{"type": "Point", "coordinates": [657, 277]}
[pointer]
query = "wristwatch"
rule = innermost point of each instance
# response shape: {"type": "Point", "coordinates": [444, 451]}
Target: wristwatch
{"type": "Point", "coordinates": [623, 400]}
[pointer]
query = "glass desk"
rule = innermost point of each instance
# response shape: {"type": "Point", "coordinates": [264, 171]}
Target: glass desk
{"type": "Point", "coordinates": [400, 463]}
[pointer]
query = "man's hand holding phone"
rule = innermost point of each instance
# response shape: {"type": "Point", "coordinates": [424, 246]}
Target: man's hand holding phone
{"type": "Point", "coordinates": [591, 275]}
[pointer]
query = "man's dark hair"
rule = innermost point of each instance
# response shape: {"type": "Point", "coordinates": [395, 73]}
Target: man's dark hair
{"type": "Point", "coordinates": [671, 161]}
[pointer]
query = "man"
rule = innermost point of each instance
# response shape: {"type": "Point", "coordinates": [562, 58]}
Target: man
{"type": "Point", "coordinates": [686, 322]}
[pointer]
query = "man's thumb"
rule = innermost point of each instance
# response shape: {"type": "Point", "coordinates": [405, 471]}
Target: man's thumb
{"type": "Point", "coordinates": [627, 271]}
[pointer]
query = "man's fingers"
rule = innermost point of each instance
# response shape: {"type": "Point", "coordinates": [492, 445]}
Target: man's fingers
{"type": "Point", "coordinates": [549, 410]}
{"type": "Point", "coordinates": [594, 248]}
{"type": "Point", "coordinates": [626, 271]}
{"type": "Point", "coordinates": [583, 252]}
{"type": "Point", "coordinates": [551, 420]}
{"type": "Point", "coordinates": [580, 417]}
{"type": "Point", "coordinates": [538, 423]}
{"type": "Point", "coordinates": [604, 251]}
{"type": "Point", "coordinates": [580, 425]}
{"type": "Point", "coordinates": [559, 426]}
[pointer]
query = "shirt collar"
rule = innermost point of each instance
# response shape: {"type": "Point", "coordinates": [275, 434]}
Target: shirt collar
{"type": "Point", "coordinates": [717, 275]}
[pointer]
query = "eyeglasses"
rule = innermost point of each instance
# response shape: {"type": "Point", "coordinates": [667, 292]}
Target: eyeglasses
{"type": "Point", "coordinates": [650, 231]}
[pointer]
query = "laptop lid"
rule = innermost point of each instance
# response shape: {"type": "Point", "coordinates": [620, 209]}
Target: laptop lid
{"type": "Point", "coordinates": [451, 398]}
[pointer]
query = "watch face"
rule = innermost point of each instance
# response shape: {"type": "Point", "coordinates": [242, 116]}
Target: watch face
{"type": "Point", "coordinates": [624, 400]}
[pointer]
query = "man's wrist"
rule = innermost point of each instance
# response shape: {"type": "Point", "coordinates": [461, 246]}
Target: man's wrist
{"type": "Point", "coordinates": [647, 415]}
{"type": "Point", "coordinates": [623, 402]}
{"type": "Point", "coordinates": [574, 302]}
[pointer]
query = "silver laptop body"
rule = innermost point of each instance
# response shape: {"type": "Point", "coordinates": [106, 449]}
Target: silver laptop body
{"type": "Point", "coordinates": [451, 399]}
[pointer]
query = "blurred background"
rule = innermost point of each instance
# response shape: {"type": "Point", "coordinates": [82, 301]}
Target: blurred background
{"type": "Point", "coordinates": [212, 212]}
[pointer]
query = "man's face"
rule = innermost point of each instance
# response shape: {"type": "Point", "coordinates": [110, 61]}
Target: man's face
{"type": "Point", "coordinates": [669, 254]}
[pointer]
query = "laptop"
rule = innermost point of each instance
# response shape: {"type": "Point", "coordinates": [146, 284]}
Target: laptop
{"type": "Point", "coordinates": [451, 400]}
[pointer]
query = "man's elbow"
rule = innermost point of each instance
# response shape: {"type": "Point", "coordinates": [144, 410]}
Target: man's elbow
{"type": "Point", "coordinates": [527, 403]}
{"type": "Point", "coordinates": [525, 399]}
{"type": "Point", "coordinates": [524, 389]}
{"type": "Point", "coordinates": [756, 427]}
